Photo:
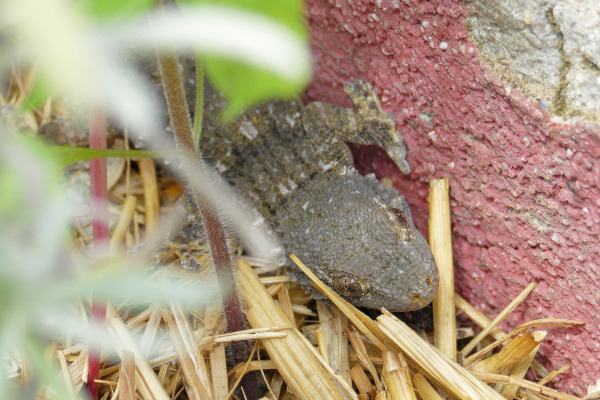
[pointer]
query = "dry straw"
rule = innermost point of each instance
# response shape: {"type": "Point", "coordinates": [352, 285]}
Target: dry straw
{"type": "Point", "coordinates": [440, 240]}
{"type": "Point", "coordinates": [397, 376]}
{"type": "Point", "coordinates": [182, 353]}
{"type": "Point", "coordinates": [301, 367]}
{"type": "Point", "coordinates": [411, 365]}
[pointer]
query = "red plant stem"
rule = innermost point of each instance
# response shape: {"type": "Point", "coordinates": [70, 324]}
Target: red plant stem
{"type": "Point", "coordinates": [101, 233]}
{"type": "Point", "coordinates": [224, 272]}
{"type": "Point", "coordinates": [182, 128]}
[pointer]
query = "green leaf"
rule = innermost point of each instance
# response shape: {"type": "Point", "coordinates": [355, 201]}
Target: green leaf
{"type": "Point", "coordinates": [37, 96]}
{"type": "Point", "coordinates": [66, 155]}
{"type": "Point", "coordinates": [287, 12]}
{"type": "Point", "coordinates": [10, 195]}
{"type": "Point", "coordinates": [244, 85]}
{"type": "Point", "coordinates": [138, 288]}
{"type": "Point", "coordinates": [116, 9]}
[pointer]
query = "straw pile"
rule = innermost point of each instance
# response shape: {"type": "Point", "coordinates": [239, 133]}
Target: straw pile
{"type": "Point", "coordinates": [305, 349]}
{"type": "Point", "coordinates": [311, 350]}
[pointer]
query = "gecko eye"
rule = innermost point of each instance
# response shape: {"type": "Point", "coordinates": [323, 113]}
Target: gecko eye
{"type": "Point", "coordinates": [399, 222]}
{"type": "Point", "coordinates": [348, 286]}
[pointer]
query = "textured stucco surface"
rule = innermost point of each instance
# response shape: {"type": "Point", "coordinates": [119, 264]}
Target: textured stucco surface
{"type": "Point", "coordinates": [525, 190]}
{"type": "Point", "coordinates": [547, 49]}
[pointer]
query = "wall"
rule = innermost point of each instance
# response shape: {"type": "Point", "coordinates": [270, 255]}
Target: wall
{"type": "Point", "coordinates": [510, 129]}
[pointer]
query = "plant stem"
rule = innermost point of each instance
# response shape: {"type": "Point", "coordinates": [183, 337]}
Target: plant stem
{"type": "Point", "coordinates": [182, 128]}
{"type": "Point", "coordinates": [101, 233]}
{"type": "Point", "coordinates": [199, 110]}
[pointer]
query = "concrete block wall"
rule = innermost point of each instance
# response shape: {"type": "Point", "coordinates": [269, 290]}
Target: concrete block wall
{"type": "Point", "coordinates": [502, 98]}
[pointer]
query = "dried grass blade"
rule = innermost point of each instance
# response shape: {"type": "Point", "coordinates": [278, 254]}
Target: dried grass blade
{"type": "Point", "coordinates": [551, 375]}
{"type": "Point", "coordinates": [125, 218]}
{"type": "Point", "coordinates": [361, 380]}
{"type": "Point", "coordinates": [512, 352]}
{"type": "Point", "coordinates": [432, 363]}
{"type": "Point", "coordinates": [198, 386]}
{"type": "Point", "coordinates": [303, 310]}
{"type": "Point", "coordinates": [477, 316]}
{"type": "Point", "coordinates": [525, 384]}
{"type": "Point", "coordinates": [519, 370]}
{"type": "Point", "coordinates": [78, 370]}
{"type": "Point", "coordinates": [171, 379]}
{"type": "Point", "coordinates": [276, 385]}
{"type": "Point", "coordinates": [249, 336]}
{"type": "Point", "coordinates": [363, 357]}
{"type": "Point", "coordinates": [239, 370]}
{"type": "Point", "coordinates": [499, 318]}
{"type": "Point", "coordinates": [65, 370]}
{"type": "Point", "coordinates": [483, 320]}
{"type": "Point", "coordinates": [151, 197]}
{"type": "Point", "coordinates": [191, 346]}
{"type": "Point", "coordinates": [554, 322]}
{"type": "Point", "coordinates": [440, 240]}
{"type": "Point", "coordinates": [424, 388]}
{"type": "Point", "coordinates": [297, 361]}
{"type": "Point", "coordinates": [285, 303]}
{"type": "Point", "coordinates": [397, 377]}
{"type": "Point", "coordinates": [218, 371]}
{"type": "Point", "coordinates": [564, 323]}
{"type": "Point", "coordinates": [332, 323]}
{"type": "Point", "coordinates": [321, 344]}
{"type": "Point", "coordinates": [146, 381]}
{"type": "Point", "coordinates": [230, 336]}
{"type": "Point", "coordinates": [150, 330]}
{"type": "Point", "coordinates": [127, 377]}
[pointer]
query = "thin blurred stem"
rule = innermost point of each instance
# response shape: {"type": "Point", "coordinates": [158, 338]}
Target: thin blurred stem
{"type": "Point", "coordinates": [101, 232]}
{"type": "Point", "coordinates": [182, 128]}
{"type": "Point", "coordinates": [199, 110]}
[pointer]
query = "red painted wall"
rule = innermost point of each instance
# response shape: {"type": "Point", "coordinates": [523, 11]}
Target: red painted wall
{"type": "Point", "coordinates": [525, 190]}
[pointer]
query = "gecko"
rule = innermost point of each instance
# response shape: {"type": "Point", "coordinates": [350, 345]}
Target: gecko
{"type": "Point", "coordinates": [292, 163]}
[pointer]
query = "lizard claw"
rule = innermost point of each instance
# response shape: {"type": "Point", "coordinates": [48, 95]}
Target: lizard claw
{"type": "Point", "coordinates": [398, 156]}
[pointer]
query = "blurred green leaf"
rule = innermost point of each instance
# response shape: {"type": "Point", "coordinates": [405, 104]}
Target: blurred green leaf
{"type": "Point", "coordinates": [37, 95]}
{"type": "Point", "coordinates": [244, 85]}
{"type": "Point", "coordinates": [78, 49]}
{"type": "Point", "coordinates": [117, 280]}
{"type": "Point", "coordinates": [10, 195]}
{"type": "Point", "coordinates": [66, 155]}
{"type": "Point", "coordinates": [116, 9]}
{"type": "Point", "coordinates": [287, 12]}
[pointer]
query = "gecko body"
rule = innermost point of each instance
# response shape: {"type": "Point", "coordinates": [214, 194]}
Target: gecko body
{"type": "Point", "coordinates": [292, 164]}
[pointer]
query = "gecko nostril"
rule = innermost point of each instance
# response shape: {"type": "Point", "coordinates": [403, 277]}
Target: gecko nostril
{"type": "Point", "coordinates": [429, 281]}
{"type": "Point", "coordinates": [416, 297]}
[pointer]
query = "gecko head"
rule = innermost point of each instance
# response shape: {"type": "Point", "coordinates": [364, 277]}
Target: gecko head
{"type": "Point", "coordinates": [359, 238]}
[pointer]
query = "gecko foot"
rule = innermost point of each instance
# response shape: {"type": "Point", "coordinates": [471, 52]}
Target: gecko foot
{"type": "Point", "coordinates": [378, 126]}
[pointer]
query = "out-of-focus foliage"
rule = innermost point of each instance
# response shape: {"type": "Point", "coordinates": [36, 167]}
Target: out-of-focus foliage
{"type": "Point", "coordinates": [79, 50]}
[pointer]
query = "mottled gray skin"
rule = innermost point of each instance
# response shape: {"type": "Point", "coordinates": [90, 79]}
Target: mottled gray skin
{"type": "Point", "coordinates": [291, 162]}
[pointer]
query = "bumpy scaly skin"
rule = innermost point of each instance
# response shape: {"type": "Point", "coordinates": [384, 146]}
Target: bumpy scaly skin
{"type": "Point", "coordinates": [357, 236]}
